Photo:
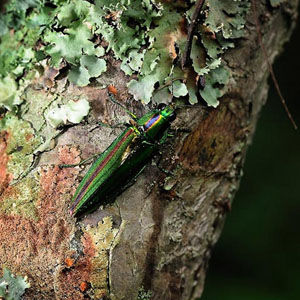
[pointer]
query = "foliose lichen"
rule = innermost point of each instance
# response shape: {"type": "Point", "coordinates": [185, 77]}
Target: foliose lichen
{"type": "Point", "coordinates": [12, 287]}
{"type": "Point", "coordinates": [145, 35]}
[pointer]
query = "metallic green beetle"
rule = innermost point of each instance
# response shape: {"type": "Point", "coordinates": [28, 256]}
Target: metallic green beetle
{"type": "Point", "coordinates": [126, 156]}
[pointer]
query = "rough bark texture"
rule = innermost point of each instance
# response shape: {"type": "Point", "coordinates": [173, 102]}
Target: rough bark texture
{"type": "Point", "coordinates": [159, 233]}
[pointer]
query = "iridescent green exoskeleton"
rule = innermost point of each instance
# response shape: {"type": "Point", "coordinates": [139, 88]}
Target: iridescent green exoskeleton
{"type": "Point", "coordinates": [124, 158]}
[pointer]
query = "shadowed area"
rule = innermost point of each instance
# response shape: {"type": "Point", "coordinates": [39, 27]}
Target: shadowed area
{"type": "Point", "coordinates": [257, 256]}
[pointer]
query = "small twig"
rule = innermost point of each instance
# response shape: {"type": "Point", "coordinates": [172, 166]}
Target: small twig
{"type": "Point", "coordinates": [283, 102]}
{"type": "Point", "coordinates": [191, 30]}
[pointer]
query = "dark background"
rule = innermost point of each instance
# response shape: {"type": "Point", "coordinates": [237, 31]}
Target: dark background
{"type": "Point", "coordinates": [258, 254]}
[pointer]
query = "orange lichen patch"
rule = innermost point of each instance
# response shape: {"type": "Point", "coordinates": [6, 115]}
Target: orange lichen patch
{"type": "Point", "coordinates": [69, 262]}
{"type": "Point", "coordinates": [209, 145]}
{"type": "Point", "coordinates": [71, 282]}
{"type": "Point", "coordinates": [5, 178]}
{"type": "Point", "coordinates": [21, 253]}
{"type": "Point", "coordinates": [57, 186]}
{"type": "Point", "coordinates": [57, 183]}
{"type": "Point", "coordinates": [112, 89]}
{"type": "Point", "coordinates": [14, 234]}
{"type": "Point", "coordinates": [83, 286]}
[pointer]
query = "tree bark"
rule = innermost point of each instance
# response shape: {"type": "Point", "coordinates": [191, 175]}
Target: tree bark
{"type": "Point", "coordinates": [157, 236]}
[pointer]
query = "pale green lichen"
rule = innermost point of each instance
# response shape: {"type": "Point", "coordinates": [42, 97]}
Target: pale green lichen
{"type": "Point", "coordinates": [210, 93]}
{"type": "Point", "coordinates": [178, 89]}
{"type": "Point", "coordinates": [19, 33]}
{"type": "Point", "coordinates": [227, 17]}
{"type": "Point", "coordinates": [22, 143]}
{"type": "Point", "coordinates": [73, 112]}
{"type": "Point", "coordinates": [34, 106]}
{"type": "Point", "coordinates": [104, 238]}
{"type": "Point", "coordinates": [12, 287]}
{"type": "Point", "coordinates": [9, 93]}
{"type": "Point", "coordinates": [157, 61]}
{"type": "Point", "coordinates": [47, 111]}
{"type": "Point", "coordinates": [69, 45]}
{"type": "Point", "coordinates": [90, 66]}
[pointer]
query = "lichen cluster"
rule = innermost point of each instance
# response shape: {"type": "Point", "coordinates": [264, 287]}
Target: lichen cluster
{"type": "Point", "coordinates": [146, 36]}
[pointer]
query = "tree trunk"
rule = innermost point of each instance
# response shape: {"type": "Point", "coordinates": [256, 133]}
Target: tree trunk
{"type": "Point", "coordinates": [156, 237]}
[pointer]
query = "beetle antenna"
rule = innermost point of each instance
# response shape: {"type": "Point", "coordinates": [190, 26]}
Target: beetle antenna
{"type": "Point", "coordinates": [112, 99]}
